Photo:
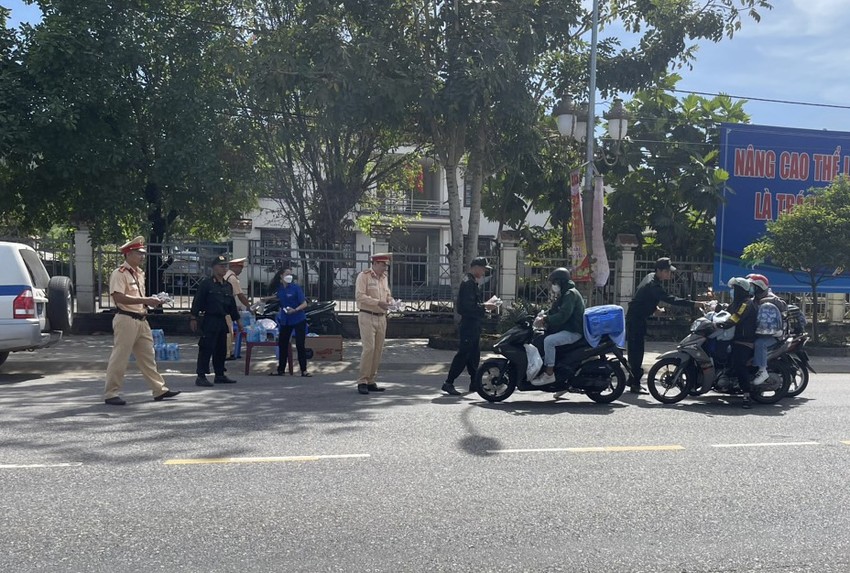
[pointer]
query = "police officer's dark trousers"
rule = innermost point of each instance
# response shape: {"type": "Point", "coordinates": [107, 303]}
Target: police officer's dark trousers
{"type": "Point", "coordinates": [635, 344]}
{"type": "Point", "coordinates": [213, 343]}
{"type": "Point", "coordinates": [468, 352]}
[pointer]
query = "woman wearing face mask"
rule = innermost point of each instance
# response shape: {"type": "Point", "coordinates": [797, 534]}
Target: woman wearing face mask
{"type": "Point", "coordinates": [290, 318]}
{"type": "Point", "coordinates": [563, 321]}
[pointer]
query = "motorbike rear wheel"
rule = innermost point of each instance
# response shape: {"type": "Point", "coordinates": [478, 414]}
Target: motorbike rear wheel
{"type": "Point", "coordinates": [616, 385]}
{"type": "Point", "coordinates": [669, 380]}
{"type": "Point", "coordinates": [799, 377]}
{"type": "Point", "coordinates": [492, 383]}
{"type": "Point", "coordinates": [774, 368]}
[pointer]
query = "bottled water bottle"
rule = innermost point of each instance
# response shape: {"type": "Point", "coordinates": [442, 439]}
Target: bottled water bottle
{"type": "Point", "coordinates": [261, 333]}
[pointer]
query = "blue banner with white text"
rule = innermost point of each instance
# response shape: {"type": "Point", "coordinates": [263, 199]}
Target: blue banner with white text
{"type": "Point", "coordinates": [771, 170]}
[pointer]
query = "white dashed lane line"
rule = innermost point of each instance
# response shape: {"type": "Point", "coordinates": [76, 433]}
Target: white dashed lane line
{"type": "Point", "coordinates": [592, 449]}
{"type": "Point", "coordinates": [316, 458]}
{"type": "Point", "coordinates": [765, 444]}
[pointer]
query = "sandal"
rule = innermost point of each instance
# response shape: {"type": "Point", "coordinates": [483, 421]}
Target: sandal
{"type": "Point", "coordinates": [277, 373]}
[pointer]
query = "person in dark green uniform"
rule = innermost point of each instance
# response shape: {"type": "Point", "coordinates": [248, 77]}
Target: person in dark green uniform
{"type": "Point", "coordinates": [472, 310]}
{"type": "Point", "coordinates": [214, 300]}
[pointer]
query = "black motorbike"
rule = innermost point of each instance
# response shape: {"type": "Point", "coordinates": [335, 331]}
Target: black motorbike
{"type": "Point", "coordinates": [579, 367]}
{"type": "Point", "coordinates": [701, 364]}
{"type": "Point", "coordinates": [321, 316]}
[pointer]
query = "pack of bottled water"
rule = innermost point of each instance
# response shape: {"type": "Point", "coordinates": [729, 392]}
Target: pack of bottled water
{"type": "Point", "coordinates": [247, 318]}
{"type": "Point", "coordinates": [158, 336]}
{"type": "Point", "coordinates": [166, 352]}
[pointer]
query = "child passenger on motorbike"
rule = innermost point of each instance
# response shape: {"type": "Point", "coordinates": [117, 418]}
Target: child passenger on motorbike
{"type": "Point", "coordinates": [770, 323]}
{"type": "Point", "coordinates": [563, 321]}
{"type": "Point", "coordinates": [743, 318]}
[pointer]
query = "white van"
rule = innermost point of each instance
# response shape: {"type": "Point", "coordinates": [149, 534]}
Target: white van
{"type": "Point", "coordinates": [35, 309]}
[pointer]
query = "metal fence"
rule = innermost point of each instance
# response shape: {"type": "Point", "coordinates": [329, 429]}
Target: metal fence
{"type": "Point", "coordinates": [533, 282]}
{"type": "Point", "coordinates": [175, 267]}
{"type": "Point", "coordinates": [420, 279]}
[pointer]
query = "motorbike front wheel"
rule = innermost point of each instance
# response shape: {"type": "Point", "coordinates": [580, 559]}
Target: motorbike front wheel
{"type": "Point", "coordinates": [492, 383]}
{"type": "Point", "coordinates": [616, 385]}
{"type": "Point", "coordinates": [775, 368]}
{"type": "Point", "coordinates": [669, 380]}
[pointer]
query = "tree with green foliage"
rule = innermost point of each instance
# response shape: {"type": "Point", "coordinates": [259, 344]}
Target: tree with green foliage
{"type": "Point", "coordinates": [132, 121]}
{"type": "Point", "coordinates": [668, 180]}
{"type": "Point", "coordinates": [661, 31]}
{"type": "Point", "coordinates": [326, 90]}
{"type": "Point", "coordinates": [810, 241]}
{"type": "Point", "coordinates": [13, 132]}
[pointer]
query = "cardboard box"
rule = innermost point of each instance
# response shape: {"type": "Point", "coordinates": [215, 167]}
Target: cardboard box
{"type": "Point", "coordinates": [325, 347]}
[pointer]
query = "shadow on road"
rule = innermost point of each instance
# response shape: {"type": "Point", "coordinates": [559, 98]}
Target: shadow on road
{"type": "Point", "coordinates": [718, 405]}
{"type": "Point", "coordinates": [531, 408]}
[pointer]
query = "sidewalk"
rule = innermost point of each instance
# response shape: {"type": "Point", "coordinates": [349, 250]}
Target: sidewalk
{"type": "Point", "coordinates": [410, 355]}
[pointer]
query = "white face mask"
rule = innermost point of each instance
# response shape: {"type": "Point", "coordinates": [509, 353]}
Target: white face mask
{"type": "Point", "coordinates": [556, 289]}
{"type": "Point", "coordinates": [287, 279]}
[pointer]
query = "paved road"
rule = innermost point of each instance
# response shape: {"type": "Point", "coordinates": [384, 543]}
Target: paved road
{"type": "Point", "coordinates": [304, 474]}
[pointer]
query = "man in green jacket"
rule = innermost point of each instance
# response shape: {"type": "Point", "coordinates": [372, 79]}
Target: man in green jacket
{"type": "Point", "coordinates": [563, 322]}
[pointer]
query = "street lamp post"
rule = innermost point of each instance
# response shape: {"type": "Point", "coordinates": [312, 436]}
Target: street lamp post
{"type": "Point", "coordinates": [573, 121]}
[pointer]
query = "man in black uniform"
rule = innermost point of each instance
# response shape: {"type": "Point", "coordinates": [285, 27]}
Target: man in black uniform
{"type": "Point", "coordinates": [643, 305]}
{"type": "Point", "coordinates": [472, 309]}
{"type": "Point", "coordinates": [215, 300]}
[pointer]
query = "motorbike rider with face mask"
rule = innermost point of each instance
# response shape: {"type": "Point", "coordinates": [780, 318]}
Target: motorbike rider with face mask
{"type": "Point", "coordinates": [742, 313]}
{"type": "Point", "coordinates": [563, 321]}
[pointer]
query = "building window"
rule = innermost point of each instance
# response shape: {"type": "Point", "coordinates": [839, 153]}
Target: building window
{"type": "Point", "coordinates": [275, 247]}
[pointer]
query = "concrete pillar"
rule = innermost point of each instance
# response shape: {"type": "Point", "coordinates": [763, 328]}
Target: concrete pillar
{"type": "Point", "coordinates": [835, 305]}
{"type": "Point", "coordinates": [381, 245]}
{"type": "Point", "coordinates": [508, 267]}
{"type": "Point", "coordinates": [240, 232]}
{"type": "Point", "coordinates": [626, 279]}
{"type": "Point", "coordinates": [84, 271]}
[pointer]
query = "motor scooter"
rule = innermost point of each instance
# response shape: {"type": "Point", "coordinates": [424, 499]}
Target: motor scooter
{"type": "Point", "coordinates": [579, 367]}
{"type": "Point", "coordinates": [700, 364]}
{"type": "Point", "coordinates": [321, 315]}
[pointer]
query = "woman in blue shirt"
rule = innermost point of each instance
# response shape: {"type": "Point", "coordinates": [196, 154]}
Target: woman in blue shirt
{"type": "Point", "coordinates": [290, 318]}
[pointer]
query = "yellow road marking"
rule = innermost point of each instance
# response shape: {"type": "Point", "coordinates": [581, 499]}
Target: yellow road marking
{"type": "Point", "coordinates": [593, 449]}
{"type": "Point", "coordinates": [274, 459]}
{"type": "Point", "coordinates": [27, 466]}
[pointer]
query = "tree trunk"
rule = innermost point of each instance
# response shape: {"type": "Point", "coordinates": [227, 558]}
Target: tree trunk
{"type": "Point", "coordinates": [450, 147]}
{"type": "Point", "coordinates": [476, 169]}
{"type": "Point", "coordinates": [455, 247]}
{"type": "Point", "coordinates": [156, 262]}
